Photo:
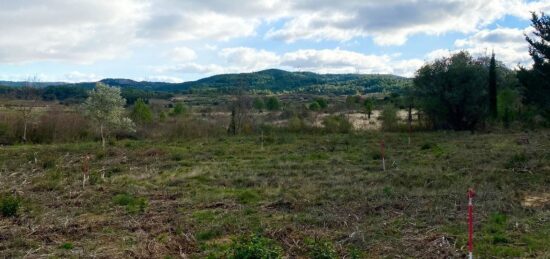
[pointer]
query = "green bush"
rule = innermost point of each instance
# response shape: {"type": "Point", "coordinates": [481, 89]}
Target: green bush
{"type": "Point", "coordinates": [132, 204]}
{"type": "Point", "coordinates": [389, 118]}
{"type": "Point", "coordinates": [337, 124]}
{"type": "Point", "coordinates": [254, 247]}
{"type": "Point", "coordinates": [321, 250]}
{"type": "Point", "coordinates": [314, 106]}
{"type": "Point", "coordinates": [9, 205]}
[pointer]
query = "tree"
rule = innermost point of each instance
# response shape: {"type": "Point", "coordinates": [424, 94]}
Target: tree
{"type": "Point", "coordinates": [536, 81]}
{"type": "Point", "coordinates": [141, 112]}
{"type": "Point", "coordinates": [369, 106]}
{"type": "Point", "coordinates": [105, 107]}
{"type": "Point", "coordinates": [272, 103]}
{"type": "Point", "coordinates": [452, 91]}
{"type": "Point", "coordinates": [240, 116]}
{"type": "Point", "coordinates": [493, 87]}
{"type": "Point", "coordinates": [259, 104]}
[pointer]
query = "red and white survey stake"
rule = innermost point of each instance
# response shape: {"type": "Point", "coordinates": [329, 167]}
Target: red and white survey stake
{"type": "Point", "coordinates": [471, 195]}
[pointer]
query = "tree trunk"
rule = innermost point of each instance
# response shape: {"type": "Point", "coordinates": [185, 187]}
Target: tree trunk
{"type": "Point", "coordinates": [102, 136]}
{"type": "Point", "coordinates": [25, 131]}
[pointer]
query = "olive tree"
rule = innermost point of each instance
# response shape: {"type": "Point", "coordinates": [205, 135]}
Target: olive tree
{"type": "Point", "coordinates": [105, 107]}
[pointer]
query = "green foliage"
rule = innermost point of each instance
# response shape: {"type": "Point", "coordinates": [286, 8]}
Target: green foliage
{"type": "Point", "coordinates": [321, 250]}
{"type": "Point", "coordinates": [493, 87]}
{"type": "Point", "coordinates": [105, 107]}
{"type": "Point", "coordinates": [323, 103]}
{"type": "Point", "coordinates": [9, 205]}
{"type": "Point", "coordinates": [314, 106]}
{"type": "Point", "coordinates": [254, 247]}
{"type": "Point", "coordinates": [536, 86]}
{"type": "Point", "coordinates": [452, 91]}
{"type": "Point", "coordinates": [389, 118]}
{"type": "Point", "coordinates": [67, 246]}
{"type": "Point", "coordinates": [272, 103]}
{"type": "Point", "coordinates": [337, 124]}
{"type": "Point", "coordinates": [259, 104]}
{"type": "Point", "coordinates": [132, 204]}
{"type": "Point", "coordinates": [509, 106]}
{"type": "Point", "coordinates": [295, 124]}
{"type": "Point", "coordinates": [179, 109]}
{"type": "Point", "coordinates": [278, 81]}
{"type": "Point", "coordinates": [141, 112]}
{"type": "Point", "coordinates": [368, 104]}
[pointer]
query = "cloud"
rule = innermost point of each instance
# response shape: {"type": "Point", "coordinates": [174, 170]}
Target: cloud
{"type": "Point", "coordinates": [77, 76]}
{"type": "Point", "coordinates": [182, 54]}
{"type": "Point", "coordinates": [243, 59]}
{"type": "Point", "coordinates": [82, 31]}
{"type": "Point", "coordinates": [391, 22]}
{"type": "Point", "coordinates": [508, 44]}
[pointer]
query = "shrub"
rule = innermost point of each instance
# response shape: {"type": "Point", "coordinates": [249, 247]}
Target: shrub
{"type": "Point", "coordinates": [273, 104]}
{"type": "Point", "coordinates": [254, 246]}
{"type": "Point", "coordinates": [314, 106]}
{"type": "Point", "coordinates": [518, 161]}
{"type": "Point", "coordinates": [337, 124]}
{"type": "Point", "coordinates": [295, 124]}
{"type": "Point", "coordinates": [323, 103]}
{"type": "Point", "coordinates": [179, 109]}
{"type": "Point", "coordinates": [132, 204]}
{"type": "Point", "coordinates": [9, 205]}
{"type": "Point", "coordinates": [321, 250]}
{"type": "Point", "coordinates": [389, 118]}
{"type": "Point", "coordinates": [67, 246]}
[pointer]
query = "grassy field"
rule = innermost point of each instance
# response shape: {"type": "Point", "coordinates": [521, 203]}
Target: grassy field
{"type": "Point", "coordinates": [300, 195]}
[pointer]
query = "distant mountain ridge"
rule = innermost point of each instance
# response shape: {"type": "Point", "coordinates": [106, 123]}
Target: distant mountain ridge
{"type": "Point", "coordinates": [274, 80]}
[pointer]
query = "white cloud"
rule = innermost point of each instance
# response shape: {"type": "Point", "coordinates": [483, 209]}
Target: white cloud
{"type": "Point", "coordinates": [182, 54]}
{"type": "Point", "coordinates": [77, 76]}
{"type": "Point", "coordinates": [508, 44]}
{"type": "Point", "coordinates": [82, 31]}
{"type": "Point", "coordinates": [242, 59]}
{"type": "Point", "coordinates": [391, 22]}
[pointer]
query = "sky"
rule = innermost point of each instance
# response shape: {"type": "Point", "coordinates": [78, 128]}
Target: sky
{"type": "Point", "coordinates": [183, 40]}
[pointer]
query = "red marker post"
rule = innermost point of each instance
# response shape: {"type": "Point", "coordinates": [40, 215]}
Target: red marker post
{"type": "Point", "coordinates": [471, 195]}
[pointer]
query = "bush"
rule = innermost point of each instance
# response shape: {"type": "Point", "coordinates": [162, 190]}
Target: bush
{"type": "Point", "coordinates": [295, 124]}
{"type": "Point", "coordinates": [314, 106]}
{"type": "Point", "coordinates": [321, 250]}
{"type": "Point", "coordinates": [389, 118]}
{"type": "Point", "coordinates": [255, 246]}
{"type": "Point", "coordinates": [337, 124]}
{"type": "Point", "coordinates": [273, 104]}
{"type": "Point", "coordinates": [323, 103]}
{"type": "Point", "coordinates": [9, 205]}
{"type": "Point", "coordinates": [132, 204]}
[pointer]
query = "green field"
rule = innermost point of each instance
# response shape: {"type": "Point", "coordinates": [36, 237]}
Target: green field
{"type": "Point", "coordinates": [304, 195]}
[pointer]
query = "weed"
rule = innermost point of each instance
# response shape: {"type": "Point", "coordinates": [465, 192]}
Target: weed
{"type": "Point", "coordinates": [67, 246]}
{"type": "Point", "coordinates": [319, 249]}
{"type": "Point", "coordinates": [255, 246]}
{"type": "Point", "coordinates": [9, 205]}
{"type": "Point", "coordinates": [132, 204]}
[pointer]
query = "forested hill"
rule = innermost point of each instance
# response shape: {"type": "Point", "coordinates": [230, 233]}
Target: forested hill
{"type": "Point", "coordinates": [271, 80]}
{"type": "Point", "coordinates": [283, 81]}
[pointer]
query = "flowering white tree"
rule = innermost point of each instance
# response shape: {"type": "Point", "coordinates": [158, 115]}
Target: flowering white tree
{"type": "Point", "coordinates": [105, 107]}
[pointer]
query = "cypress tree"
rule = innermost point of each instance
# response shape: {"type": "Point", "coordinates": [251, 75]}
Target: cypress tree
{"type": "Point", "coordinates": [493, 87]}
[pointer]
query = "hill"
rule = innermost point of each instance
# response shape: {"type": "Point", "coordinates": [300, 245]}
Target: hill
{"type": "Point", "coordinates": [272, 80]}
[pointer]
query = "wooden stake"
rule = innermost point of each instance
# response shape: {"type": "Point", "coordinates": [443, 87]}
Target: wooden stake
{"type": "Point", "coordinates": [382, 152]}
